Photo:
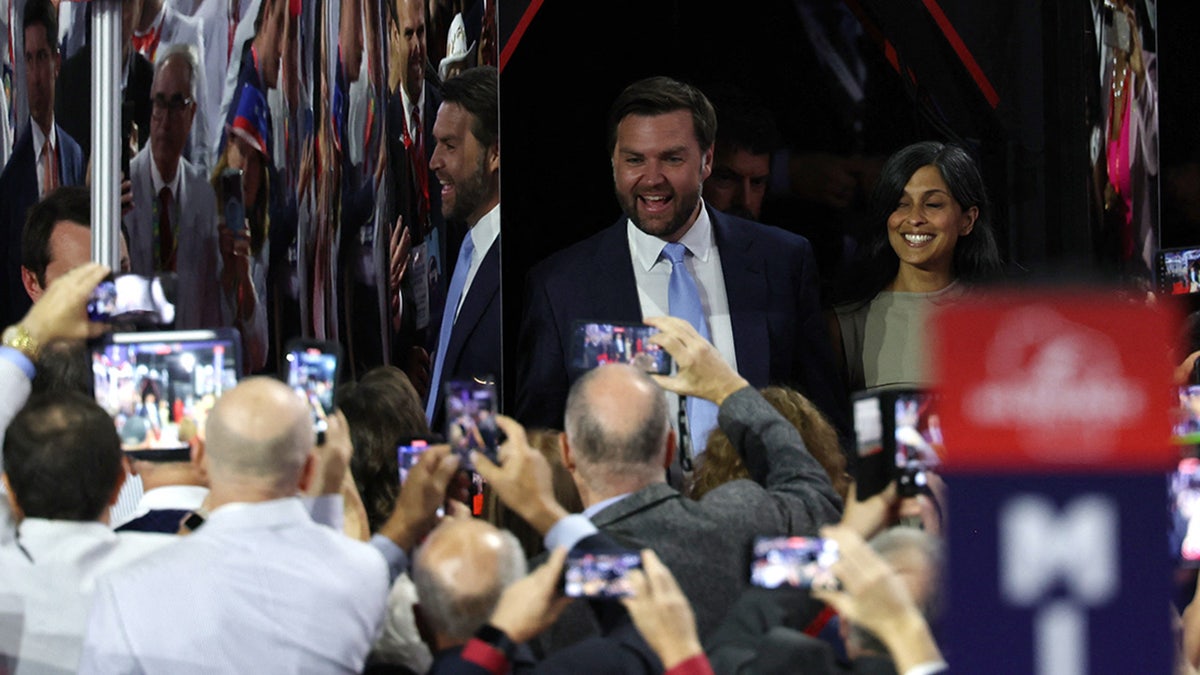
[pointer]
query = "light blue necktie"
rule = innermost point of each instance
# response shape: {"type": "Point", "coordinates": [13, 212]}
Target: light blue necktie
{"type": "Point", "coordinates": [453, 296]}
{"type": "Point", "coordinates": [683, 300]}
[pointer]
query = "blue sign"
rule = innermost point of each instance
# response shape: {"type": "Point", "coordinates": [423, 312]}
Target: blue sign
{"type": "Point", "coordinates": [1058, 575]}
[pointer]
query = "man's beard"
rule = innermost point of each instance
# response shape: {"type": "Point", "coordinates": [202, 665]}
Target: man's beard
{"type": "Point", "coordinates": [658, 229]}
{"type": "Point", "coordinates": [470, 194]}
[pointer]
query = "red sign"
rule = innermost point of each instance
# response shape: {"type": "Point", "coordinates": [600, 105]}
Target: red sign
{"type": "Point", "coordinates": [1037, 382]}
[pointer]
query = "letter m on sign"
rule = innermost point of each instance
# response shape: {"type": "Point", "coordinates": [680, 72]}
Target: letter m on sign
{"type": "Point", "coordinates": [1041, 547]}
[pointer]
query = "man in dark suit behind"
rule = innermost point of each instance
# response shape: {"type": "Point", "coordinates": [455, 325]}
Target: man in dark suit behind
{"type": "Point", "coordinates": [413, 199]}
{"type": "Point", "coordinates": [466, 161]}
{"type": "Point", "coordinates": [757, 284]}
{"type": "Point", "coordinates": [73, 103]}
{"type": "Point", "coordinates": [616, 447]}
{"type": "Point", "coordinates": [44, 156]}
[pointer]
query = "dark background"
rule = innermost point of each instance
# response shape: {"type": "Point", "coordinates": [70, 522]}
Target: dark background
{"type": "Point", "coordinates": [572, 59]}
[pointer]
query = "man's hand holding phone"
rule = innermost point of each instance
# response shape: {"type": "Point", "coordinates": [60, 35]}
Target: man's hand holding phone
{"type": "Point", "coordinates": [662, 612]}
{"type": "Point", "coordinates": [874, 597]}
{"type": "Point", "coordinates": [333, 456]}
{"type": "Point", "coordinates": [524, 480]}
{"type": "Point", "coordinates": [702, 372]}
{"type": "Point", "coordinates": [415, 513]}
{"type": "Point", "coordinates": [61, 313]}
{"type": "Point", "coordinates": [531, 605]}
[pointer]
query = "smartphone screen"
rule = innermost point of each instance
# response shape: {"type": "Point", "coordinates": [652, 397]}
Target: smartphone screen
{"type": "Point", "coordinates": [799, 562]}
{"type": "Point", "coordinates": [919, 442]}
{"type": "Point", "coordinates": [1185, 429]}
{"type": "Point", "coordinates": [312, 373]}
{"type": "Point", "coordinates": [1178, 271]}
{"type": "Point", "coordinates": [160, 387]}
{"type": "Point", "coordinates": [235, 208]}
{"type": "Point", "coordinates": [133, 299]}
{"type": "Point", "coordinates": [471, 419]}
{"type": "Point", "coordinates": [599, 575]}
{"type": "Point", "coordinates": [1184, 510]}
{"type": "Point", "coordinates": [595, 344]}
{"type": "Point", "coordinates": [407, 455]}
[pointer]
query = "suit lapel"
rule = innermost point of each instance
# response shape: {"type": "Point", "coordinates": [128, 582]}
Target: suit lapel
{"type": "Point", "coordinates": [484, 290]}
{"type": "Point", "coordinates": [143, 248]}
{"type": "Point", "coordinates": [747, 291]}
{"type": "Point", "coordinates": [612, 285]}
{"type": "Point", "coordinates": [28, 179]}
{"type": "Point", "coordinates": [66, 161]}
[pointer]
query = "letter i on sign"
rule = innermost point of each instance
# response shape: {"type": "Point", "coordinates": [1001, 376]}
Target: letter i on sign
{"type": "Point", "coordinates": [1041, 548]}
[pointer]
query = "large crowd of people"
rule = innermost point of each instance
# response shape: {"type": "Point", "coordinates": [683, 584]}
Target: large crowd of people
{"type": "Point", "coordinates": [331, 170]}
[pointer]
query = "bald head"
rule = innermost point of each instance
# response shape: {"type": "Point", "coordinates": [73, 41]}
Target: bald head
{"type": "Point", "coordinates": [616, 420]}
{"type": "Point", "coordinates": [916, 557]}
{"type": "Point", "coordinates": [460, 571]}
{"type": "Point", "coordinates": [259, 432]}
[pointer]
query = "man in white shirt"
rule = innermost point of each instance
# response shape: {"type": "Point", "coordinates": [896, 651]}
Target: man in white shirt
{"type": "Point", "coordinates": [259, 587]}
{"type": "Point", "coordinates": [160, 26]}
{"type": "Point", "coordinates": [63, 469]}
{"type": "Point", "coordinates": [173, 223]}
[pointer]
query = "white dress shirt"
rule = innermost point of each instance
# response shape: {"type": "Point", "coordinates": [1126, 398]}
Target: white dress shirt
{"type": "Point", "coordinates": [483, 234]}
{"type": "Point", "coordinates": [652, 272]}
{"type": "Point", "coordinates": [259, 588]}
{"type": "Point", "coordinates": [47, 578]}
{"type": "Point", "coordinates": [408, 116]}
{"type": "Point", "coordinates": [176, 184]}
{"type": "Point", "coordinates": [16, 372]}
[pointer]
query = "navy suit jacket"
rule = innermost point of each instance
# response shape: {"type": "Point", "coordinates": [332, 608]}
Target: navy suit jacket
{"type": "Point", "coordinates": [474, 347]}
{"type": "Point", "coordinates": [18, 192]}
{"type": "Point", "coordinates": [159, 520]}
{"type": "Point", "coordinates": [779, 333]}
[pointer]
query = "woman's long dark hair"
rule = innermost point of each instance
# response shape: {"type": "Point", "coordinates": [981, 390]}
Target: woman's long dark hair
{"type": "Point", "coordinates": [976, 256]}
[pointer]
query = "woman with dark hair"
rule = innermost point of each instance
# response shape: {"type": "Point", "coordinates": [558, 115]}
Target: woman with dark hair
{"type": "Point", "coordinates": [381, 409]}
{"type": "Point", "coordinates": [936, 241]}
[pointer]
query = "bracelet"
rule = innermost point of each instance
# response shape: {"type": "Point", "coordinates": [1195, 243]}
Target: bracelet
{"type": "Point", "coordinates": [18, 337]}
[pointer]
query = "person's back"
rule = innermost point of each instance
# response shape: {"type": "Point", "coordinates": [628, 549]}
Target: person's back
{"type": "Point", "coordinates": [259, 587]}
{"type": "Point", "coordinates": [62, 462]}
{"type": "Point", "coordinates": [618, 457]}
{"type": "Point", "coordinates": [266, 589]}
{"type": "Point", "coordinates": [44, 598]}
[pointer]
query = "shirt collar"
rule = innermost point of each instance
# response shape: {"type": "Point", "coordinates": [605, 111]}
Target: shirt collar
{"type": "Point", "coordinates": [255, 515]}
{"type": "Point", "coordinates": [592, 510]}
{"type": "Point", "coordinates": [41, 533]}
{"type": "Point", "coordinates": [184, 497]}
{"type": "Point", "coordinates": [484, 233]}
{"type": "Point", "coordinates": [646, 248]}
{"type": "Point", "coordinates": [39, 138]}
{"type": "Point", "coordinates": [157, 178]}
{"type": "Point", "coordinates": [408, 106]}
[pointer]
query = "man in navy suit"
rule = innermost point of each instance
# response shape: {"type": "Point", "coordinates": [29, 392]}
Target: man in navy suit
{"type": "Point", "coordinates": [757, 284]}
{"type": "Point", "coordinates": [466, 161]}
{"type": "Point", "coordinates": [44, 157]}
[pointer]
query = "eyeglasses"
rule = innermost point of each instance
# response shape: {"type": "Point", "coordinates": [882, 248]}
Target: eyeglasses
{"type": "Point", "coordinates": [174, 104]}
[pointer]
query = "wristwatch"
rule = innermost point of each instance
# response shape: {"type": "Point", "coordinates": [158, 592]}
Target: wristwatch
{"type": "Point", "coordinates": [497, 639]}
{"type": "Point", "coordinates": [17, 337]}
